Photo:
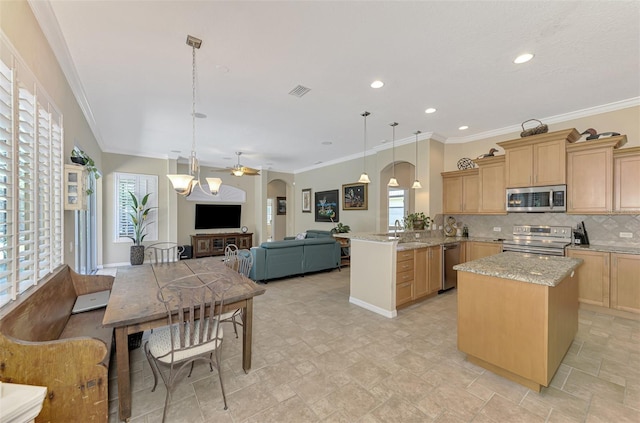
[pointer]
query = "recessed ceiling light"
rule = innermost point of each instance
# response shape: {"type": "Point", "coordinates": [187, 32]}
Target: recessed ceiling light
{"type": "Point", "coordinates": [463, 127]}
{"type": "Point", "coordinates": [430, 110]}
{"type": "Point", "coordinates": [377, 84]}
{"type": "Point", "coordinates": [523, 58]}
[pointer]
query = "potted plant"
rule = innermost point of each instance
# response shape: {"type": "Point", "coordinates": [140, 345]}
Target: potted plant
{"type": "Point", "coordinates": [80, 157]}
{"type": "Point", "coordinates": [138, 215]}
{"type": "Point", "coordinates": [416, 221]}
{"type": "Point", "coordinates": [340, 229]}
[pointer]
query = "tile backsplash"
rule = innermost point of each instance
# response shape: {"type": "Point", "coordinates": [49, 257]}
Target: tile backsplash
{"type": "Point", "coordinates": [602, 229]}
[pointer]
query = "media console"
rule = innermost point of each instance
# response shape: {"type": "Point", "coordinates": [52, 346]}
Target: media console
{"type": "Point", "coordinates": [205, 245]}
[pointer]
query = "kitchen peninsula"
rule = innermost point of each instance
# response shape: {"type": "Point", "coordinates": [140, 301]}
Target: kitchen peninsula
{"type": "Point", "coordinates": [518, 314]}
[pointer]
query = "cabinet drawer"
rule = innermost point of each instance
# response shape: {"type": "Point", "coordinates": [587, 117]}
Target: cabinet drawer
{"type": "Point", "coordinates": [403, 266]}
{"type": "Point", "coordinates": [404, 255]}
{"type": "Point", "coordinates": [404, 293]}
{"type": "Point", "coordinates": [406, 276]}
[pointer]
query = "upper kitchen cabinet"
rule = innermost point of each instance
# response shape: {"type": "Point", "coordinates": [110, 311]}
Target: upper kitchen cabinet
{"type": "Point", "coordinates": [537, 160]}
{"type": "Point", "coordinates": [460, 191]}
{"type": "Point", "coordinates": [626, 177]}
{"type": "Point", "coordinates": [590, 175]}
{"type": "Point", "coordinates": [492, 185]}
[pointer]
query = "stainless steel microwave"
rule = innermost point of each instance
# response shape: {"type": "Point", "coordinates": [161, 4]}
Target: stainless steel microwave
{"type": "Point", "coordinates": [537, 199]}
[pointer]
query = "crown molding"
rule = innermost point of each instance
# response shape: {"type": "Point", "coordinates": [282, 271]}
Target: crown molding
{"type": "Point", "coordinates": [49, 24]}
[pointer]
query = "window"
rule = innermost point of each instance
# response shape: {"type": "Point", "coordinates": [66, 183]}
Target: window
{"type": "Point", "coordinates": [140, 185]}
{"type": "Point", "coordinates": [31, 213]}
{"type": "Point", "coordinates": [397, 206]}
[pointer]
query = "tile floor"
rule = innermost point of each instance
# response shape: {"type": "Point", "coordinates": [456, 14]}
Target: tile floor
{"type": "Point", "coordinates": [317, 358]}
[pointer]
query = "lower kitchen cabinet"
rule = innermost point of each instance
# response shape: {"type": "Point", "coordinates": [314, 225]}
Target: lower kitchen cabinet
{"type": "Point", "coordinates": [418, 274]}
{"type": "Point", "coordinates": [479, 249]}
{"type": "Point", "coordinates": [625, 282]}
{"type": "Point", "coordinates": [593, 277]}
{"type": "Point", "coordinates": [609, 280]}
{"type": "Point", "coordinates": [404, 277]}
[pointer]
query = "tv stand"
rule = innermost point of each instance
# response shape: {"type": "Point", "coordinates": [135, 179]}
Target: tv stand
{"type": "Point", "coordinates": [205, 245]}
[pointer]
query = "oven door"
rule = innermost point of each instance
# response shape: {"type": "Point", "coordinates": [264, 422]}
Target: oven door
{"type": "Point", "coordinates": [534, 249]}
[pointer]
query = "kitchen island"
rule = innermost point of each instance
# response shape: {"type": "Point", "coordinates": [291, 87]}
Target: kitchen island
{"type": "Point", "coordinates": [518, 314]}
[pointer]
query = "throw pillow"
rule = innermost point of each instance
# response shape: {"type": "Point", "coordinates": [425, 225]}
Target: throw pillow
{"type": "Point", "coordinates": [301, 235]}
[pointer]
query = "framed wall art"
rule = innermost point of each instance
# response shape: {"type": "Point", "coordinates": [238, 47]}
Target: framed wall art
{"type": "Point", "coordinates": [354, 197]}
{"type": "Point", "coordinates": [326, 206]}
{"type": "Point", "coordinates": [281, 205]}
{"type": "Point", "coordinates": [306, 200]}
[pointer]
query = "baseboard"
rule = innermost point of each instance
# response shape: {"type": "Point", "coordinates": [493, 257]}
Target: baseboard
{"type": "Point", "coordinates": [610, 311]}
{"type": "Point", "coordinates": [375, 309]}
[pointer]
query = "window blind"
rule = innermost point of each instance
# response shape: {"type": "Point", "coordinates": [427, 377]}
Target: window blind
{"type": "Point", "coordinates": [140, 185]}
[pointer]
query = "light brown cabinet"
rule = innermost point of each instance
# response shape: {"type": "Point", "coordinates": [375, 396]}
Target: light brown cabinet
{"type": "Point", "coordinates": [492, 185]}
{"type": "Point", "coordinates": [435, 269]}
{"type": "Point", "coordinates": [404, 277]}
{"type": "Point", "coordinates": [537, 160]}
{"type": "Point", "coordinates": [590, 175]}
{"type": "Point", "coordinates": [593, 277]}
{"type": "Point", "coordinates": [626, 177]}
{"type": "Point", "coordinates": [460, 191]}
{"type": "Point", "coordinates": [625, 282]}
{"type": "Point", "coordinates": [428, 271]}
{"type": "Point", "coordinates": [205, 245]}
{"type": "Point", "coordinates": [609, 280]}
{"type": "Point", "coordinates": [478, 249]}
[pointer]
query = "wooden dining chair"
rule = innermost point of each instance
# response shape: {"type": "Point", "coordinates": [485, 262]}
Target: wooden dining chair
{"type": "Point", "coordinates": [194, 304]}
{"type": "Point", "coordinates": [244, 263]}
{"type": "Point", "coordinates": [164, 252]}
{"type": "Point", "coordinates": [231, 256]}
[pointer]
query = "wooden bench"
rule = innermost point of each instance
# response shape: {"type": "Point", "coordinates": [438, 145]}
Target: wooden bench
{"type": "Point", "coordinates": [42, 343]}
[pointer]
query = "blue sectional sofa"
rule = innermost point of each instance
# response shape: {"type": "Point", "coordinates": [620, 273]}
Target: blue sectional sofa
{"type": "Point", "coordinates": [278, 259]}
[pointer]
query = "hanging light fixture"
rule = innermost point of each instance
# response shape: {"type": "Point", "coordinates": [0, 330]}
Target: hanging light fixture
{"type": "Point", "coordinates": [184, 184]}
{"type": "Point", "coordinates": [393, 182]}
{"type": "Point", "coordinates": [364, 178]}
{"type": "Point", "coordinates": [416, 183]}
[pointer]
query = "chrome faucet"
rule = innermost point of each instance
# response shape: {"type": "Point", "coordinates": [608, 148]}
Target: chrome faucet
{"type": "Point", "coordinates": [396, 225]}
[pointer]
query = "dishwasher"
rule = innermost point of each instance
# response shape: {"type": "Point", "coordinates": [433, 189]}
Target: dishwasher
{"type": "Point", "coordinates": [450, 257]}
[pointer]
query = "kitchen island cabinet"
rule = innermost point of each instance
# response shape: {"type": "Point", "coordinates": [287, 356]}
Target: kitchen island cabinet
{"type": "Point", "coordinates": [518, 314]}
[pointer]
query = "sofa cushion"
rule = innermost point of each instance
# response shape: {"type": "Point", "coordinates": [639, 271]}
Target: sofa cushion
{"type": "Point", "coordinates": [318, 233]}
{"type": "Point", "coordinates": [315, 241]}
{"type": "Point", "coordinates": [283, 244]}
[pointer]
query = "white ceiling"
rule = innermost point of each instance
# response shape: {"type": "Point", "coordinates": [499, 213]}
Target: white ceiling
{"type": "Point", "coordinates": [130, 66]}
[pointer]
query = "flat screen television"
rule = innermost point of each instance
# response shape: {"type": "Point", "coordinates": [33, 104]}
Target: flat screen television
{"type": "Point", "coordinates": [218, 216]}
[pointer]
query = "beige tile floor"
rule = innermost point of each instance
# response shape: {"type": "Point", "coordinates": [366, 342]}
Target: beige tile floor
{"type": "Point", "coordinates": [317, 358]}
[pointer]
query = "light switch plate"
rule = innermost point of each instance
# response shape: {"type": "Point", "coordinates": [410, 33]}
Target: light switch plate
{"type": "Point", "coordinates": [626, 235]}
{"type": "Point", "coordinates": [497, 229]}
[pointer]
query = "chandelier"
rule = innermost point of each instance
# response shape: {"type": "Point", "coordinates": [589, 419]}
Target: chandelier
{"type": "Point", "coordinates": [184, 184]}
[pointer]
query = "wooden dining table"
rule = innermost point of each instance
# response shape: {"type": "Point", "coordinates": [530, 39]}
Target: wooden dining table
{"type": "Point", "coordinates": [134, 307]}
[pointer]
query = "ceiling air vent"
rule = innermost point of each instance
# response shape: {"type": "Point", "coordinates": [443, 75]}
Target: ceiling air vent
{"type": "Point", "coordinates": [299, 91]}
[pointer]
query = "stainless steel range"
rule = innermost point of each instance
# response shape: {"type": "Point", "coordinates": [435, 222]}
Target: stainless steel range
{"type": "Point", "coordinates": [543, 240]}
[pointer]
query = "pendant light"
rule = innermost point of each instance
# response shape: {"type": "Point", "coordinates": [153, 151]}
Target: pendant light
{"type": "Point", "coordinates": [364, 178]}
{"type": "Point", "coordinates": [393, 182]}
{"type": "Point", "coordinates": [416, 183]}
{"type": "Point", "coordinates": [184, 184]}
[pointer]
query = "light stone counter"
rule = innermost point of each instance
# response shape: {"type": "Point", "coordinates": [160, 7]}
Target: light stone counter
{"type": "Point", "coordinates": [623, 249]}
{"type": "Point", "coordinates": [541, 270]}
{"type": "Point", "coordinates": [413, 240]}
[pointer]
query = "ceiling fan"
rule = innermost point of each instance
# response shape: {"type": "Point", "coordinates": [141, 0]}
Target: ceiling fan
{"type": "Point", "coordinates": [239, 170]}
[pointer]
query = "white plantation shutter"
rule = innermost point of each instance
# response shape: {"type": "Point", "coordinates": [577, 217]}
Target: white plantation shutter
{"type": "Point", "coordinates": [31, 168]}
{"type": "Point", "coordinates": [140, 185]}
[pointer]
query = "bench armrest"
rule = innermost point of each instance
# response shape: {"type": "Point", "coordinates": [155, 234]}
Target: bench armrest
{"type": "Point", "coordinates": [86, 284]}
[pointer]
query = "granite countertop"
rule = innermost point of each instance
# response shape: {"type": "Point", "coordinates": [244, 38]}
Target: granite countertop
{"type": "Point", "coordinates": [409, 241]}
{"type": "Point", "coordinates": [531, 268]}
{"type": "Point", "coordinates": [624, 249]}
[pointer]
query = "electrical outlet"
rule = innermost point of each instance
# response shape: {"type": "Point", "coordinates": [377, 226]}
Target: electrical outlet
{"type": "Point", "coordinates": [71, 247]}
{"type": "Point", "coordinates": [626, 235]}
{"type": "Point", "coordinates": [497, 229]}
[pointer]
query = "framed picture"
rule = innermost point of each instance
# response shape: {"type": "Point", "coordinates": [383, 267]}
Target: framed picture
{"type": "Point", "coordinates": [326, 206]}
{"type": "Point", "coordinates": [354, 197]}
{"type": "Point", "coordinates": [306, 200]}
{"type": "Point", "coordinates": [282, 205]}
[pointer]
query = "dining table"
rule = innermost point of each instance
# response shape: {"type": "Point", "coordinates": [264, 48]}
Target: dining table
{"type": "Point", "coordinates": [134, 307]}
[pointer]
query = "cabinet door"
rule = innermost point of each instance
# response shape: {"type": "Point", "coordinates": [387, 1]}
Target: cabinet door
{"type": "Point", "coordinates": [202, 247]}
{"type": "Point", "coordinates": [470, 193]}
{"type": "Point", "coordinates": [519, 166]}
{"type": "Point", "coordinates": [626, 186]}
{"type": "Point", "coordinates": [452, 194]}
{"type": "Point", "coordinates": [421, 272]}
{"type": "Point", "coordinates": [549, 163]}
{"type": "Point", "coordinates": [492, 189]}
{"type": "Point", "coordinates": [478, 250]}
{"type": "Point", "coordinates": [245, 241]}
{"type": "Point", "coordinates": [217, 245]}
{"type": "Point", "coordinates": [625, 282]}
{"type": "Point", "coordinates": [589, 181]}
{"type": "Point", "coordinates": [593, 277]}
{"type": "Point", "coordinates": [435, 269]}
